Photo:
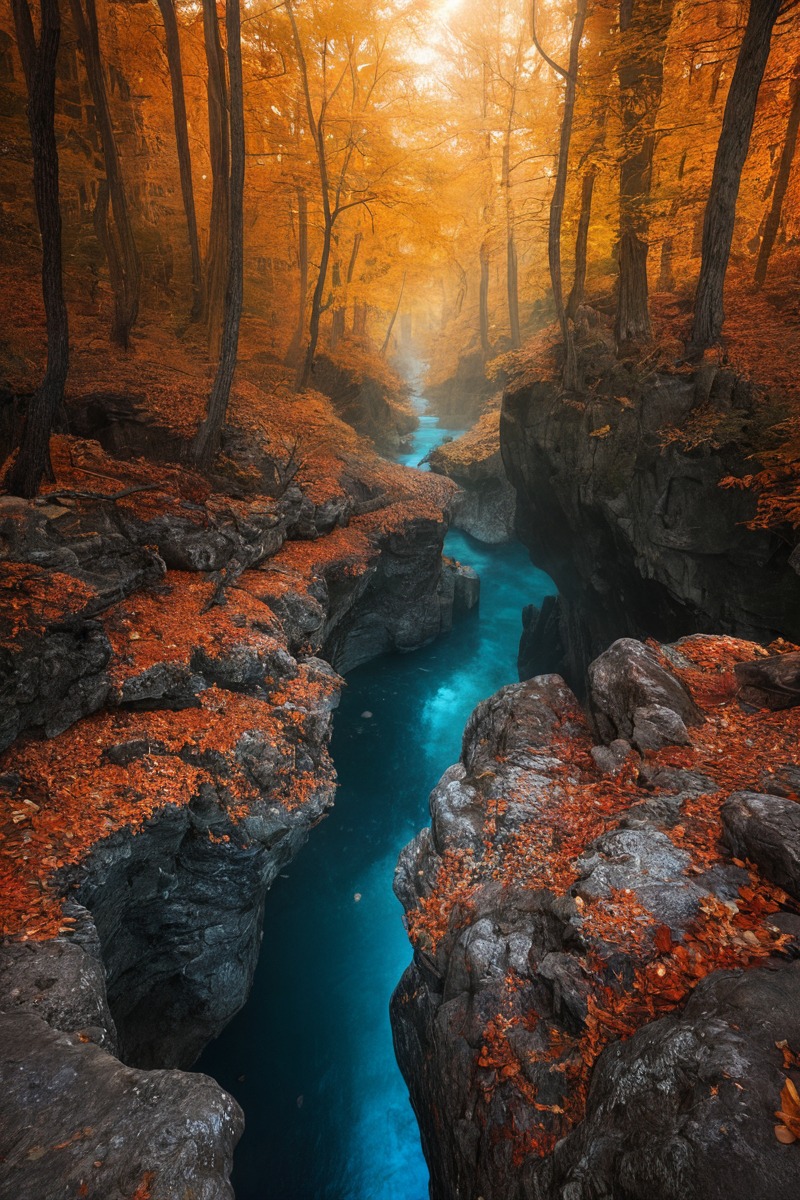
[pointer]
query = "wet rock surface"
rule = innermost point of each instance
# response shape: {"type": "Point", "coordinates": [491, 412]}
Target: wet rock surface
{"type": "Point", "coordinates": [684, 1107]}
{"type": "Point", "coordinates": [638, 536]}
{"type": "Point", "coordinates": [78, 1123]}
{"type": "Point", "coordinates": [604, 941]}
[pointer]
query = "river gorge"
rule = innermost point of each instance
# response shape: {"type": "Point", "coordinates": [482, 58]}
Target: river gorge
{"type": "Point", "coordinates": [327, 1112]}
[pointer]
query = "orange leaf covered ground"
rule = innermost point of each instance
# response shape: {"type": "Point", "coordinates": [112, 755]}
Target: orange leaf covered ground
{"type": "Point", "coordinates": [736, 749]}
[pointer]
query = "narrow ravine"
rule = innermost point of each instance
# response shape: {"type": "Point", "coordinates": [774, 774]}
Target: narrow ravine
{"type": "Point", "coordinates": [310, 1057]}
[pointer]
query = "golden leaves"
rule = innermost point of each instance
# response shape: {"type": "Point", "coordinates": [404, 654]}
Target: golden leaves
{"type": "Point", "coordinates": [788, 1114]}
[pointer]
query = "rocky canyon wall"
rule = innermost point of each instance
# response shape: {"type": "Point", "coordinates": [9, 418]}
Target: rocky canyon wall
{"type": "Point", "coordinates": [632, 526]}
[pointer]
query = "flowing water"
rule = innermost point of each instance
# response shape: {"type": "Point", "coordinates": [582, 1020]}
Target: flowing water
{"type": "Point", "coordinates": [310, 1057]}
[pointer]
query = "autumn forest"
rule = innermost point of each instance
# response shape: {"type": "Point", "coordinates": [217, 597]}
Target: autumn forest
{"type": "Point", "coordinates": [439, 360]}
{"type": "Point", "coordinates": [300, 176]}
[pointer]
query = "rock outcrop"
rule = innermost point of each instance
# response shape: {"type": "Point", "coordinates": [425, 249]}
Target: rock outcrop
{"type": "Point", "coordinates": [76, 1122]}
{"type": "Point", "coordinates": [485, 504]}
{"type": "Point", "coordinates": [631, 524]}
{"type": "Point", "coordinates": [169, 665]}
{"type": "Point", "coordinates": [598, 986]}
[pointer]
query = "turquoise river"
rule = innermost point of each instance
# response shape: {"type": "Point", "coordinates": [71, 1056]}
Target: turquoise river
{"type": "Point", "coordinates": [310, 1057]}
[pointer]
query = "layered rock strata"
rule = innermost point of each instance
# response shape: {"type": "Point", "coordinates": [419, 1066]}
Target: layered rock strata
{"type": "Point", "coordinates": [603, 999]}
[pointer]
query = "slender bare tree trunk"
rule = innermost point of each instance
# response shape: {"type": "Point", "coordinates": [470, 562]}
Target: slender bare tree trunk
{"type": "Point", "coordinates": [219, 140]}
{"type": "Point", "coordinates": [644, 29]}
{"type": "Point", "coordinates": [360, 318]}
{"type": "Point", "coordinates": [167, 8]}
{"type": "Point", "coordinates": [39, 65]}
{"type": "Point", "coordinates": [317, 131]}
{"type": "Point", "coordinates": [337, 316]}
{"type": "Point", "coordinates": [570, 77]}
{"type": "Point", "coordinates": [734, 142]}
{"type": "Point", "coordinates": [512, 273]}
{"type": "Point", "coordinates": [208, 436]}
{"type": "Point", "coordinates": [124, 264]}
{"type": "Point", "coordinates": [773, 222]}
{"type": "Point", "coordinates": [302, 263]}
{"type": "Point", "coordinates": [578, 289]}
{"type": "Point", "coordinates": [388, 337]}
{"type": "Point", "coordinates": [483, 300]}
{"type": "Point", "coordinates": [316, 299]}
{"type": "Point", "coordinates": [340, 312]}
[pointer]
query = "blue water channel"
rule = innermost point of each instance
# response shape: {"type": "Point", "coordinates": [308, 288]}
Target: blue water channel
{"type": "Point", "coordinates": [310, 1057]}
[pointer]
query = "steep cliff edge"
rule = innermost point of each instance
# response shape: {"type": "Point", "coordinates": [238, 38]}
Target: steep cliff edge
{"type": "Point", "coordinates": [604, 915]}
{"type": "Point", "coordinates": [169, 665]}
{"type": "Point", "coordinates": [626, 513]}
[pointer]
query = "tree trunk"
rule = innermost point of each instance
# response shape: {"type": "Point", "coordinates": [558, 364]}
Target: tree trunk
{"type": "Point", "coordinates": [340, 311]}
{"type": "Point", "coordinates": [387, 339]}
{"type": "Point", "coordinates": [773, 221]}
{"type": "Point", "coordinates": [316, 303]}
{"type": "Point", "coordinates": [512, 273]}
{"type": "Point", "coordinates": [734, 142]}
{"type": "Point", "coordinates": [207, 440]}
{"type": "Point", "coordinates": [219, 141]}
{"type": "Point", "coordinates": [337, 316]}
{"type": "Point", "coordinates": [39, 64]}
{"type": "Point", "coordinates": [360, 318]}
{"type": "Point", "coordinates": [644, 29]}
{"type": "Point", "coordinates": [512, 286]}
{"type": "Point", "coordinates": [582, 244]}
{"type": "Point", "coordinates": [570, 77]}
{"type": "Point", "coordinates": [125, 269]}
{"type": "Point", "coordinates": [666, 277]}
{"type": "Point", "coordinates": [483, 300]}
{"type": "Point", "coordinates": [173, 45]}
{"type": "Point", "coordinates": [302, 262]}
{"type": "Point", "coordinates": [317, 131]}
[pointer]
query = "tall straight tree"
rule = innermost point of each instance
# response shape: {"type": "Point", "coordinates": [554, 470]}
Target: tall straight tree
{"type": "Point", "coordinates": [734, 142]}
{"type": "Point", "coordinates": [167, 8]}
{"type": "Point", "coordinates": [358, 63]}
{"type": "Point", "coordinates": [582, 243]}
{"type": "Point", "coordinates": [302, 264]}
{"type": "Point", "coordinates": [570, 77]}
{"type": "Point", "coordinates": [123, 256]}
{"type": "Point", "coordinates": [773, 221]}
{"type": "Point", "coordinates": [339, 317]}
{"type": "Point", "coordinates": [207, 441]}
{"type": "Point", "coordinates": [219, 144]}
{"type": "Point", "coordinates": [39, 65]}
{"type": "Point", "coordinates": [644, 27]}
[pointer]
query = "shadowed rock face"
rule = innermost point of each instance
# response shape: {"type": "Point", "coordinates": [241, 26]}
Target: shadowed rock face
{"type": "Point", "coordinates": [570, 1026]}
{"type": "Point", "coordinates": [165, 1132]}
{"type": "Point", "coordinates": [684, 1107]}
{"type": "Point", "coordinates": [640, 541]}
{"type": "Point", "coordinates": [75, 1120]}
